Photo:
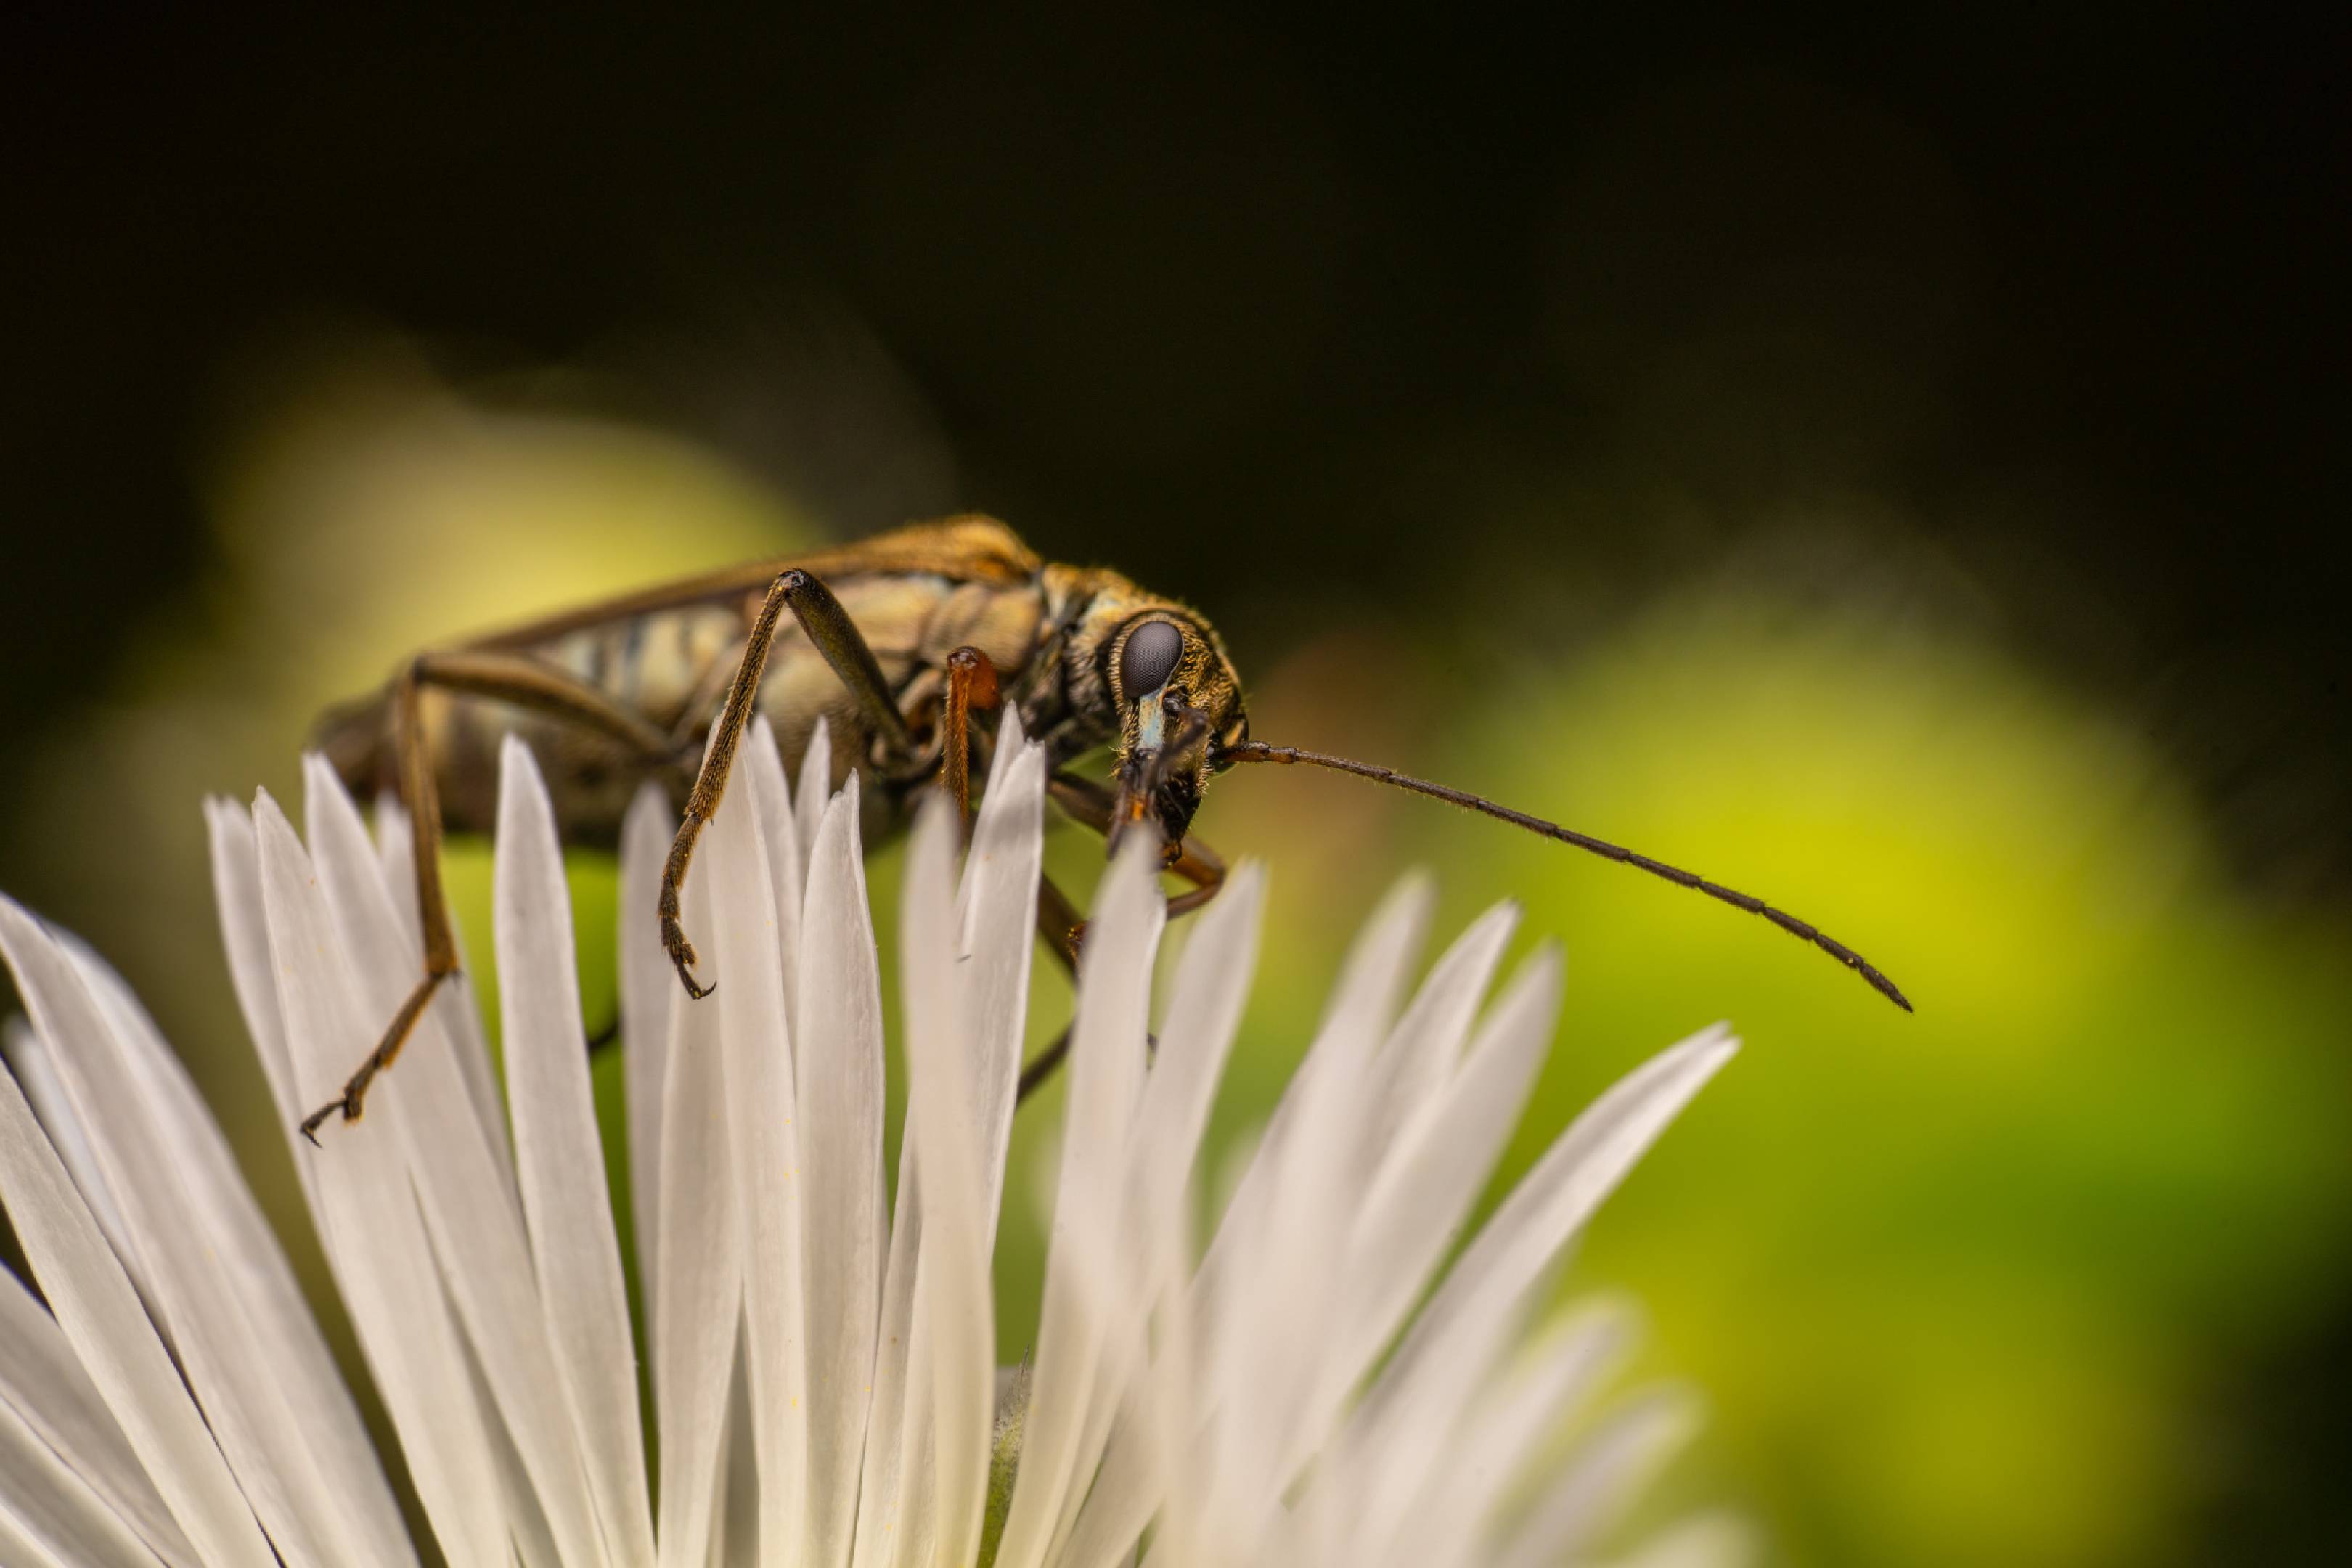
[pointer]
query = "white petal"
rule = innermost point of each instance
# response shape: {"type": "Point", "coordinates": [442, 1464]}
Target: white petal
{"type": "Point", "coordinates": [43, 1384]}
{"type": "Point", "coordinates": [278, 1365]}
{"type": "Point", "coordinates": [1706, 1541]}
{"type": "Point", "coordinates": [763, 767]}
{"type": "Point", "coordinates": [1437, 1166]}
{"type": "Point", "coordinates": [464, 1189]}
{"type": "Point", "coordinates": [1422, 1050]}
{"type": "Point", "coordinates": [245, 933]}
{"type": "Point", "coordinates": [534, 1540]}
{"type": "Point", "coordinates": [395, 852]}
{"type": "Point", "coordinates": [560, 1158]}
{"type": "Point", "coordinates": [997, 903]}
{"type": "Point", "coordinates": [101, 1316]}
{"type": "Point", "coordinates": [384, 1264]}
{"type": "Point", "coordinates": [50, 1514]}
{"type": "Point", "coordinates": [954, 1312]}
{"type": "Point", "coordinates": [1084, 1308]}
{"type": "Point", "coordinates": [36, 1067]}
{"type": "Point", "coordinates": [1205, 1010]}
{"type": "Point", "coordinates": [880, 1532]}
{"type": "Point", "coordinates": [764, 1132]}
{"type": "Point", "coordinates": [217, 1328]}
{"type": "Point", "coordinates": [698, 1292]}
{"type": "Point", "coordinates": [1533, 1401]}
{"type": "Point", "coordinates": [1583, 1165]}
{"type": "Point", "coordinates": [648, 990]}
{"type": "Point", "coordinates": [735, 1531]}
{"type": "Point", "coordinates": [366, 900]}
{"type": "Point", "coordinates": [395, 848]}
{"type": "Point", "coordinates": [816, 786]}
{"type": "Point", "coordinates": [1361, 1005]}
{"type": "Point", "coordinates": [1611, 1469]}
{"type": "Point", "coordinates": [1272, 1310]}
{"type": "Point", "coordinates": [1010, 741]}
{"type": "Point", "coordinates": [1379, 965]}
{"type": "Point", "coordinates": [839, 1055]}
{"type": "Point", "coordinates": [1424, 1493]}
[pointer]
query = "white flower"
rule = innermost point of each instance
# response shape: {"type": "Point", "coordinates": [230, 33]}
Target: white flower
{"type": "Point", "coordinates": [822, 1355]}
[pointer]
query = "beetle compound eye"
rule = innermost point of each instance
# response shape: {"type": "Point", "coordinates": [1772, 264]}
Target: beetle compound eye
{"type": "Point", "coordinates": [1149, 658]}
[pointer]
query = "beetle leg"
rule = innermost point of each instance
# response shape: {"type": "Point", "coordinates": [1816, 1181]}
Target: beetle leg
{"type": "Point", "coordinates": [511, 678]}
{"type": "Point", "coordinates": [971, 683]}
{"type": "Point", "coordinates": [844, 647]}
{"type": "Point", "coordinates": [835, 636]}
{"type": "Point", "coordinates": [1093, 805]}
{"type": "Point", "coordinates": [710, 780]}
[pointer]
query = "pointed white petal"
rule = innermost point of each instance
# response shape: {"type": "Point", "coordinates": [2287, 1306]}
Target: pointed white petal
{"type": "Point", "coordinates": [1706, 1541]}
{"type": "Point", "coordinates": [699, 1292]}
{"type": "Point", "coordinates": [1085, 1310]}
{"type": "Point", "coordinates": [1422, 1050]}
{"type": "Point", "coordinates": [648, 990]}
{"type": "Point", "coordinates": [45, 1386]}
{"type": "Point", "coordinates": [839, 1054]}
{"type": "Point", "coordinates": [1196, 1039]}
{"type": "Point", "coordinates": [1010, 741]}
{"type": "Point", "coordinates": [1583, 1165]}
{"type": "Point", "coordinates": [1379, 964]}
{"type": "Point", "coordinates": [213, 1323]}
{"type": "Point", "coordinates": [1611, 1469]}
{"type": "Point", "coordinates": [1532, 1400]}
{"type": "Point", "coordinates": [534, 1541]}
{"type": "Point", "coordinates": [1360, 1010]}
{"type": "Point", "coordinates": [395, 849]}
{"type": "Point", "coordinates": [36, 1067]}
{"type": "Point", "coordinates": [764, 1132]}
{"type": "Point", "coordinates": [997, 902]}
{"type": "Point", "coordinates": [954, 1313]}
{"type": "Point", "coordinates": [560, 1158]}
{"type": "Point", "coordinates": [1426, 1486]}
{"type": "Point", "coordinates": [1438, 1165]}
{"type": "Point", "coordinates": [245, 933]}
{"type": "Point", "coordinates": [369, 1223]}
{"type": "Point", "coordinates": [735, 1529]}
{"type": "Point", "coordinates": [276, 1366]}
{"type": "Point", "coordinates": [1212, 983]}
{"type": "Point", "coordinates": [101, 1316]}
{"type": "Point", "coordinates": [464, 1190]}
{"type": "Point", "coordinates": [1272, 1311]}
{"type": "Point", "coordinates": [879, 1532]}
{"type": "Point", "coordinates": [50, 1514]}
{"type": "Point", "coordinates": [816, 786]}
{"type": "Point", "coordinates": [763, 767]}
{"type": "Point", "coordinates": [387, 956]}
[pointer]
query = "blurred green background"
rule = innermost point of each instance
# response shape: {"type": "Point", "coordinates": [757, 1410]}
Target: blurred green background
{"type": "Point", "coordinates": [1885, 462]}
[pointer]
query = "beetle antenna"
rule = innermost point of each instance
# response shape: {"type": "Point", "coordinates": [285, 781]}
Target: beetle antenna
{"type": "Point", "coordinates": [1259, 752]}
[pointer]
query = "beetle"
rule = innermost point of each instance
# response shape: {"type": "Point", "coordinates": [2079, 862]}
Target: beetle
{"type": "Point", "coordinates": [895, 643]}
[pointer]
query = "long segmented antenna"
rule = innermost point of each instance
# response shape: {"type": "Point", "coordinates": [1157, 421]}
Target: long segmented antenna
{"type": "Point", "coordinates": [1259, 752]}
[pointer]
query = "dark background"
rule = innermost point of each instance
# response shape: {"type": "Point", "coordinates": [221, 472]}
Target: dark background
{"type": "Point", "coordinates": [1300, 312]}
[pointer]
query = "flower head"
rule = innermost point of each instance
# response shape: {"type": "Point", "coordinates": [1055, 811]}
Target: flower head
{"type": "Point", "coordinates": [821, 1350]}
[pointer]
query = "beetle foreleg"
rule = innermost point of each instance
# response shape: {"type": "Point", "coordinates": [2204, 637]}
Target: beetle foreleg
{"type": "Point", "coordinates": [971, 683]}
{"type": "Point", "coordinates": [1094, 807]}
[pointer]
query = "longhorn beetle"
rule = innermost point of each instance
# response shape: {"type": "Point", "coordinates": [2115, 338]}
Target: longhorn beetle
{"type": "Point", "coordinates": [895, 642]}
